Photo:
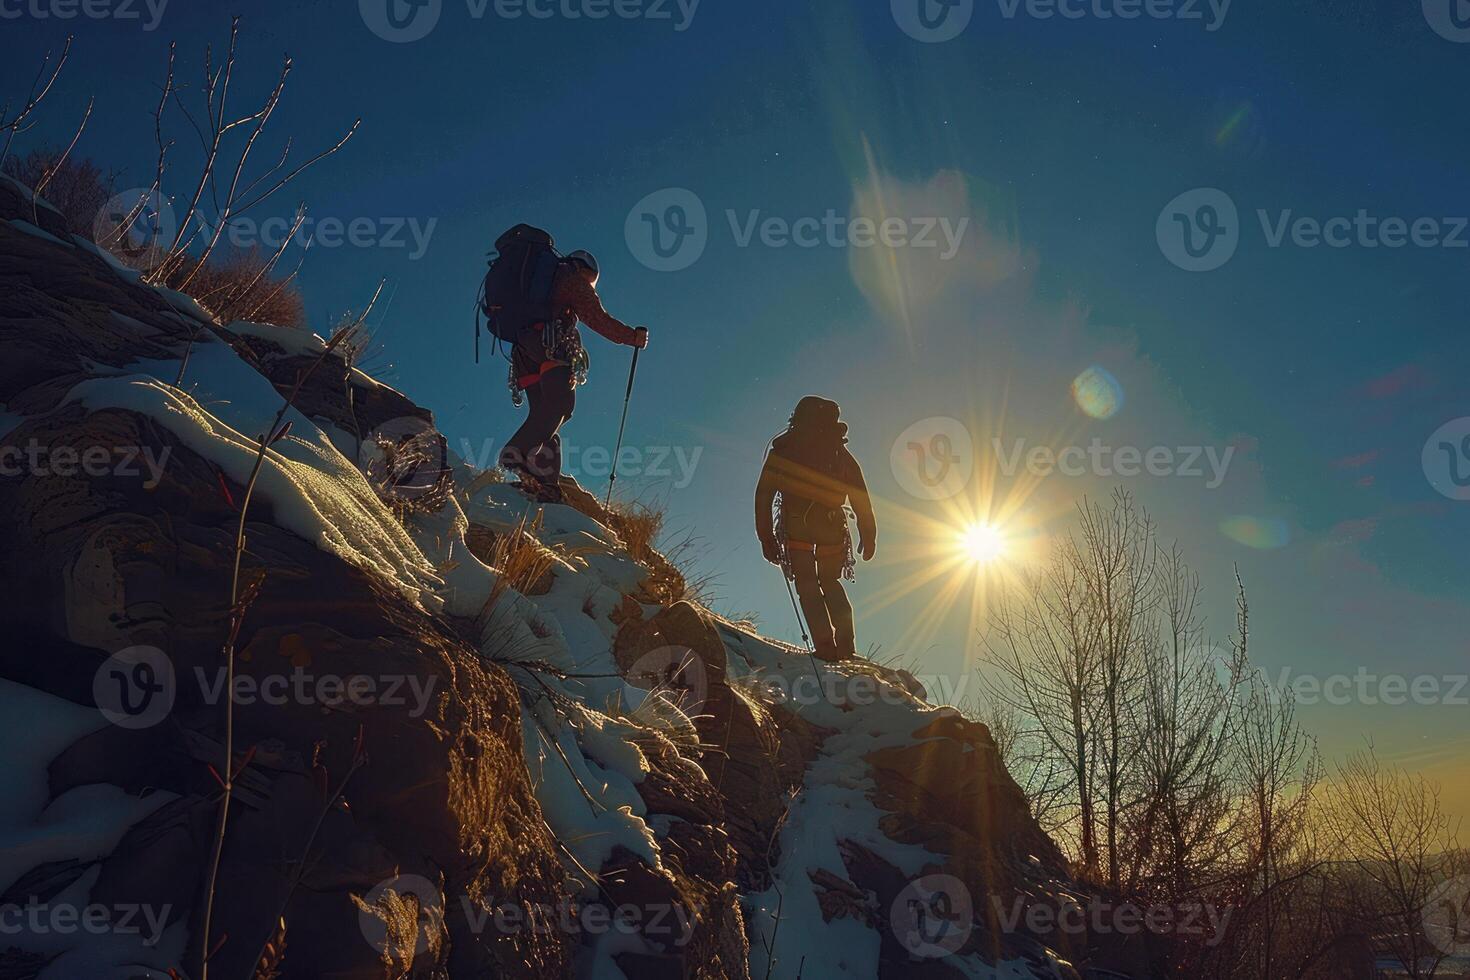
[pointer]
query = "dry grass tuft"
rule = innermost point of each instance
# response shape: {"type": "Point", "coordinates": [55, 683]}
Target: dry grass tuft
{"type": "Point", "coordinates": [411, 473]}
{"type": "Point", "coordinates": [520, 560]}
{"type": "Point", "coordinates": [640, 526]}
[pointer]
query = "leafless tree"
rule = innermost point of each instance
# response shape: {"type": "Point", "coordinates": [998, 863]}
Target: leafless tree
{"type": "Point", "coordinates": [1399, 846]}
{"type": "Point", "coordinates": [1180, 834]}
{"type": "Point", "coordinates": [1068, 643]}
{"type": "Point", "coordinates": [1116, 553]}
{"type": "Point", "coordinates": [1045, 646]}
{"type": "Point", "coordinates": [221, 193]}
{"type": "Point", "coordinates": [1278, 769]}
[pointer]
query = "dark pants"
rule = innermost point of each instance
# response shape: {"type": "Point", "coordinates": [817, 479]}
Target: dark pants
{"type": "Point", "coordinates": [818, 576]}
{"type": "Point", "coordinates": [535, 449]}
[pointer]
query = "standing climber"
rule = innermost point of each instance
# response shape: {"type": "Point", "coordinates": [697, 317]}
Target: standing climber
{"type": "Point", "coordinates": [534, 299]}
{"type": "Point", "coordinates": [815, 477]}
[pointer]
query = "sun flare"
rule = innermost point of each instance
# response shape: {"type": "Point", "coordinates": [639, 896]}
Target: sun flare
{"type": "Point", "coordinates": [983, 543]}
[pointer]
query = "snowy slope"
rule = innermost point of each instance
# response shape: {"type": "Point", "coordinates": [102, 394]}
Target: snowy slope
{"type": "Point", "coordinates": [590, 764]}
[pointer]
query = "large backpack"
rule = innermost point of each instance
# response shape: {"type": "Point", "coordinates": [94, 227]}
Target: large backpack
{"type": "Point", "coordinates": [517, 290]}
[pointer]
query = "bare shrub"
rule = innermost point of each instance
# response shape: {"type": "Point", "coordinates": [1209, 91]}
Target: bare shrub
{"type": "Point", "coordinates": [1398, 848]}
{"type": "Point", "coordinates": [78, 188]}
{"type": "Point", "coordinates": [239, 285]}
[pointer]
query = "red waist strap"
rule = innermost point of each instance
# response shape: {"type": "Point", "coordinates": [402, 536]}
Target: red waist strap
{"type": "Point", "coordinates": [531, 379]}
{"type": "Point", "coordinates": [526, 381]}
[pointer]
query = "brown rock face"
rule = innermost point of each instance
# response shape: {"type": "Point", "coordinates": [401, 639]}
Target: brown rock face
{"type": "Point", "coordinates": [96, 564]}
{"type": "Point", "coordinates": [949, 793]}
{"type": "Point", "coordinates": [757, 755]}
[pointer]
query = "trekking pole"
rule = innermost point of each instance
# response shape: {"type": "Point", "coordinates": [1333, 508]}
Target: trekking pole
{"type": "Point", "coordinates": [806, 640]}
{"type": "Point", "coordinates": [613, 476]}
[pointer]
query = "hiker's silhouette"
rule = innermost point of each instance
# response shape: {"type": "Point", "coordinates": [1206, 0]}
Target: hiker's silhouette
{"type": "Point", "coordinates": [801, 501]}
{"type": "Point", "coordinates": [534, 299]}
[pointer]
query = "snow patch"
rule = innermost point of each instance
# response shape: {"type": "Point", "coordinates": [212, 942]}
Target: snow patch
{"type": "Point", "coordinates": [82, 824]}
{"type": "Point", "coordinates": [28, 194]}
{"type": "Point", "coordinates": [313, 491]}
{"type": "Point", "coordinates": [292, 340]}
{"type": "Point", "coordinates": [35, 232]}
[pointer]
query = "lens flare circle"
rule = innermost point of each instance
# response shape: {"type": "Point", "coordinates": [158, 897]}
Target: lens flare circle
{"type": "Point", "coordinates": [1097, 393]}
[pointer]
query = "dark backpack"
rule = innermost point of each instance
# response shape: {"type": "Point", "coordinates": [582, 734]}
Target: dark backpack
{"type": "Point", "coordinates": [517, 290]}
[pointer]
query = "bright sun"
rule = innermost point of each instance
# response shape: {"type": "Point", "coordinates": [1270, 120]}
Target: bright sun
{"type": "Point", "coordinates": [983, 543]}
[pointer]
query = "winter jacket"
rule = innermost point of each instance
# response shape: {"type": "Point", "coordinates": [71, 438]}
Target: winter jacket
{"type": "Point", "coordinates": [574, 299]}
{"type": "Point", "coordinates": [815, 480]}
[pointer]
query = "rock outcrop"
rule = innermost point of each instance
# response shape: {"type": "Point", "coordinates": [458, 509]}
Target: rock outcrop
{"type": "Point", "coordinates": [452, 756]}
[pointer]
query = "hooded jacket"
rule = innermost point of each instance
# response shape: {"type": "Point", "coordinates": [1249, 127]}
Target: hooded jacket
{"type": "Point", "coordinates": [812, 471]}
{"type": "Point", "coordinates": [574, 299]}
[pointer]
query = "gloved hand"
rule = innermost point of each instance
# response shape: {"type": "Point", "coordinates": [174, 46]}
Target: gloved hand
{"type": "Point", "coordinates": [868, 547]}
{"type": "Point", "coordinates": [771, 550]}
{"type": "Point", "coordinates": [640, 338]}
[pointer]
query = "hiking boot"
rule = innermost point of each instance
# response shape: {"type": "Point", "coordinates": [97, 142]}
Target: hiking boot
{"type": "Point", "coordinates": [830, 654]}
{"type": "Point", "coordinates": [545, 493]}
{"type": "Point", "coordinates": [528, 484]}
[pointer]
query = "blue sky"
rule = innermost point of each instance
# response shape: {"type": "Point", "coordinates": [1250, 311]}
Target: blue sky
{"type": "Point", "coordinates": [1060, 140]}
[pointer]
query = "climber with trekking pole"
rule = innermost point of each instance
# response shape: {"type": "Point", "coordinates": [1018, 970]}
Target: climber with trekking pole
{"type": "Point", "coordinates": [533, 298]}
{"type": "Point", "coordinates": [801, 500]}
